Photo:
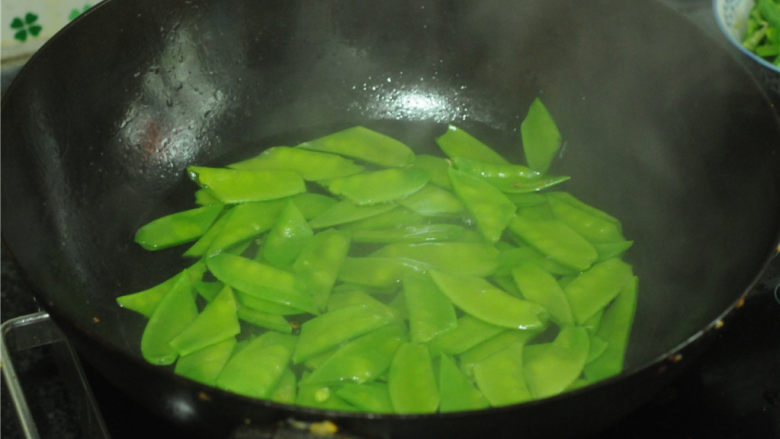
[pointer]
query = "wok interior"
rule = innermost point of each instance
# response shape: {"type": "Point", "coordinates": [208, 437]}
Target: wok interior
{"type": "Point", "coordinates": [680, 146]}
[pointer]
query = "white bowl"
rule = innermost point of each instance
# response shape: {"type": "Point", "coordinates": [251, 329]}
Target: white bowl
{"type": "Point", "coordinates": [732, 16]}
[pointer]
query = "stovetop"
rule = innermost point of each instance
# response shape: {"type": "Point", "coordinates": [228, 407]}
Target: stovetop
{"type": "Point", "coordinates": [730, 392]}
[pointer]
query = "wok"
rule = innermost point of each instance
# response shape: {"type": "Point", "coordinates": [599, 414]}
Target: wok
{"type": "Point", "coordinates": [662, 128]}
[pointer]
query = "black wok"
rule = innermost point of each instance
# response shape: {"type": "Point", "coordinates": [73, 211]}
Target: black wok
{"type": "Point", "coordinates": [662, 129]}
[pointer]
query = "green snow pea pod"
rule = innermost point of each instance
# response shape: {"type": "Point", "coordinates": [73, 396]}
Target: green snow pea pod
{"type": "Point", "coordinates": [491, 209]}
{"type": "Point", "coordinates": [456, 142]}
{"type": "Point", "coordinates": [370, 397]}
{"type": "Point", "coordinates": [492, 346]}
{"type": "Point", "coordinates": [528, 199]}
{"type": "Point", "coordinates": [540, 287]}
{"type": "Point", "coordinates": [469, 333]}
{"type": "Point", "coordinates": [177, 228]}
{"type": "Point", "coordinates": [507, 284]}
{"type": "Point", "coordinates": [264, 320]}
{"type": "Point", "coordinates": [217, 322]}
{"type": "Point", "coordinates": [436, 167]}
{"type": "Point", "coordinates": [245, 221]}
{"type": "Point", "coordinates": [204, 365]}
{"type": "Point", "coordinates": [552, 367]}
{"type": "Point", "coordinates": [510, 257]}
{"type": "Point", "coordinates": [377, 272]}
{"type": "Point", "coordinates": [467, 258]}
{"type": "Point", "coordinates": [609, 250]}
{"type": "Point", "coordinates": [481, 299]}
{"type": "Point", "coordinates": [312, 204]}
{"type": "Point", "coordinates": [410, 234]}
{"type": "Point", "coordinates": [310, 165]}
{"type": "Point", "coordinates": [456, 392]}
{"type": "Point", "coordinates": [360, 360]}
{"type": "Point", "coordinates": [615, 329]}
{"type": "Point", "coordinates": [201, 246]}
{"type": "Point", "coordinates": [260, 280]}
{"type": "Point", "coordinates": [508, 178]}
{"type": "Point", "coordinates": [397, 217]}
{"type": "Point", "coordinates": [591, 226]}
{"type": "Point", "coordinates": [319, 263]}
{"type": "Point", "coordinates": [540, 135]}
{"type": "Point", "coordinates": [204, 198]}
{"type": "Point", "coordinates": [433, 201]}
{"type": "Point", "coordinates": [597, 347]}
{"type": "Point", "coordinates": [411, 381]}
{"type": "Point", "coordinates": [346, 212]}
{"type": "Point", "coordinates": [554, 239]}
{"type": "Point", "coordinates": [321, 396]}
{"type": "Point", "coordinates": [332, 328]}
{"type": "Point", "coordinates": [172, 315]}
{"type": "Point", "coordinates": [287, 238]}
{"type": "Point", "coordinates": [430, 312]}
{"type": "Point", "coordinates": [342, 299]}
{"type": "Point", "coordinates": [238, 186]}
{"type": "Point", "coordinates": [364, 144]}
{"type": "Point", "coordinates": [593, 322]}
{"type": "Point", "coordinates": [566, 197]}
{"type": "Point", "coordinates": [379, 186]}
{"type": "Point", "coordinates": [265, 306]}
{"type": "Point", "coordinates": [594, 289]}
{"type": "Point", "coordinates": [144, 302]}
{"type": "Point", "coordinates": [285, 388]}
{"type": "Point", "coordinates": [255, 369]}
{"type": "Point", "coordinates": [500, 377]}
{"type": "Point", "coordinates": [208, 290]}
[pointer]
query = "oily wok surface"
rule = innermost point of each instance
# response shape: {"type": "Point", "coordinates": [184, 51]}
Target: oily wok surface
{"type": "Point", "coordinates": [101, 124]}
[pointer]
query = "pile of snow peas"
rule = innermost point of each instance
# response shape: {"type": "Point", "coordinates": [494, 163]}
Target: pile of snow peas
{"type": "Point", "coordinates": [762, 31]}
{"type": "Point", "coordinates": [349, 273]}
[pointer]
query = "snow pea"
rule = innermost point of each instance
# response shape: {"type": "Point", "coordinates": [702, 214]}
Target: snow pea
{"type": "Point", "coordinates": [469, 333]}
{"type": "Point", "coordinates": [218, 321]}
{"type": "Point", "coordinates": [264, 320]}
{"type": "Point", "coordinates": [397, 217]}
{"type": "Point", "coordinates": [285, 388]}
{"type": "Point", "coordinates": [245, 221]}
{"type": "Point", "coordinates": [436, 167]}
{"type": "Point", "coordinates": [371, 397]}
{"type": "Point", "coordinates": [491, 209]}
{"type": "Point", "coordinates": [551, 367]}
{"type": "Point", "coordinates": [356, 296]}
{"type": "Point", "coordinates": [493, 345]}
{"type": "Point", "coordinates": [346, 212]}
{"type": "Point", "coordinates": [379, 186]}
{"type": "Point", "coordinates": [177, 228]}
{"type": "Point", "coordinates": [597, 347]}
{"type": "Point", "coordinates": [510, 257]}
{"type": "Point", "coordinates": [500, 377]}
{"type": "Point", "coordinates": [379, 272]}
{"type": "Point", "coordinates": [411, 381]}
{"type": "Point", "coordinates": [430, 312]}
{"type": "Point", "coordinates": [172, 315]}
{"type": "Point", "coordinates": [287, 237]}
{"type": "Point", "coordinates": [312, 204]}
{"type": "Point", "coordinates": [457, 393]}
{"type": "Point", "coordinates": [310, 165]}
{"type": "Point", "coordinates": [595, 288]}
{"type": "Point", "coordinates": [410, 234]}
{"type": "Point", "coordinates": [319, 263]}
{"type": "Point", "coordinates": [238, 186]}
{"type": "Point", "coordinates": [256, 368]}
{"type": "Point", "coordinates": [321, 396]}
{"type": "Point", "coordinates": [566, 197]}
{"type": "Point", "coordinates": [332, 328]}
{"type": "Point", "coordinates": [554, 239]}
{"type": "Point", "coordinates": [201, 246]}
{"type": "Point", "coordinates": [609, 250]}
{"type": "Point", "coordinates": [508, 178]}
{"type": "Point", "coordinates": [364, 144]}
{"type": "Point", "coordinates": [433, 201]}
{"type": "Point", "coordinates": [260, 280]}
{"type": "Point", "coordinates": [481, 299]}
{"type": "Point", "coordinates": [589, 225]}
{"type": "Point", "coordinates": [526, 199]}
{"type": "Point", "coordinates": [362, 359]}
{"type": "Point", "coordinates": [615, 329]}
{"type": "Point", "coordinates": [540, 287]}
{"type": "Point", "coordinates": [456, 142]}
{"type": "Point", "coordinates": [144, 302]}
{"type": "Point", "coordinates": [540, 136]}
{"type": "Point", "coordinates": [204, 365]}
{"type": "Point", "coordinates": [264, 306]}
{"type": "Point", "coordinates": [204, 198]}
{"type": "Point", "coordinates": [467, 258]}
